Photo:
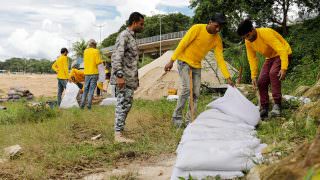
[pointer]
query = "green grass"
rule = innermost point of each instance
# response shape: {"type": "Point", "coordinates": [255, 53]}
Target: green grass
{"type": "Point", "coordinates": [286, 133]}
{"type": "Point", "coordinates": [56, 144]}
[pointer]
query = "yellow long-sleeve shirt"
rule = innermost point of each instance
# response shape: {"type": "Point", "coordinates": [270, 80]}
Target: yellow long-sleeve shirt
{"type": "Point", "coordinates": [78, 75]}
{"type": "Point", "coordinates": [195, 45]}
{"type": "Point", "coordinates": [269, 43]}
{"type": "Point", "coordinates": [91, 60]}
{"type": "Point", "coordinates": [60, 66]}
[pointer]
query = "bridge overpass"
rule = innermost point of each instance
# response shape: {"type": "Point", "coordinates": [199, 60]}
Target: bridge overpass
{"type": "Point", "coordinates": [152, 44]}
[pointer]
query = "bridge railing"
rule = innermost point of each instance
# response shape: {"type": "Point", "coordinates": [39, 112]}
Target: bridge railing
{"type": "Point", "coordinates": [152, 39]}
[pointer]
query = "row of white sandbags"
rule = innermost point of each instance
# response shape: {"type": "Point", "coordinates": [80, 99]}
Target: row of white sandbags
{"type": "Point", "coordinates": [69, 99]}
{"type": "Point", "coordinates": [221, 141]}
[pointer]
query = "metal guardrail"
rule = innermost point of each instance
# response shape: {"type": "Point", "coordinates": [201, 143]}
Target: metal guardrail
{"type": "Point", "coordinates": [152, 39]}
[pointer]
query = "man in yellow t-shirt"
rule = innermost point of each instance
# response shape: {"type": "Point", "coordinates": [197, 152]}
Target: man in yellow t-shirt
{"type": "Point", "coordinates": [277, 51]}
{"type": "Point", "coordinates": [91, 60]}
{"type": "Point", "coordinates": [60, 66]}
{"type": "Point", "coordinates": [193, 47]}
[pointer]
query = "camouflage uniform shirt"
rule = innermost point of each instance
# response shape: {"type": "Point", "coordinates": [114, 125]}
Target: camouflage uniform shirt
{"type": "Point", "coordinates": [125, 58]}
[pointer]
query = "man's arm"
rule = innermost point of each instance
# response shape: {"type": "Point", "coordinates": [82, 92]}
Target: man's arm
{"type": "Point", "coordinates": [253, 63]}
{"type": "Point", "coordinates": [252, 59]}
{"type": "Point", "coordinates": [118, 54]}
{"type": "Point", "coordinates": [54, 66]}
{"type": "Point", "coordinates": [218, 53]}
{"type": "Point", "coordinates": [184, 43]}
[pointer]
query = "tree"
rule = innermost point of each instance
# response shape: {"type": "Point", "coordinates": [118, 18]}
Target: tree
{"type": "Point", "coordinates": [170, 23]}
{"type": "Point", "coordinates": [27, 65]}
{"type": "Point", "coordinates": [78, 47]}
{"type": "Point", "coordinates": [263, 12]}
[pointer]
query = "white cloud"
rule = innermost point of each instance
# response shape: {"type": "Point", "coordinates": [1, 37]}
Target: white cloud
{"type": "Point", "coordinates": [39, 28]}
{"type": "Point", "coordinates": [40, 42]}
{"type": "Point", "coordinates": [176, 3]}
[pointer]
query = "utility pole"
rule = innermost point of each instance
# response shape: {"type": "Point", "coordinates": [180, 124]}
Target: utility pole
{"type": "Point", "coordinates": [160, 18]}
{"type": "Point", "coordinates": [160, 36]}
{"type": "Point", "coordinates": [100, 28]}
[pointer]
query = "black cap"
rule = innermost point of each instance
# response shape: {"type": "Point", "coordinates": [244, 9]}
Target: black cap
{"type": "Point", "coordinates": [219, 18]}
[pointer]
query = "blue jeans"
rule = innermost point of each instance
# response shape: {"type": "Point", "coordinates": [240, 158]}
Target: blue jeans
{"type": "Point", "coordinates": [62, 84]}
{"type": "Point", "coordinates": [90, 84]}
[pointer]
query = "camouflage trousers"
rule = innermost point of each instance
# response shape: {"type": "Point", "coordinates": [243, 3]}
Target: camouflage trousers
{"type": "Point", "coordinates": [124, 103]}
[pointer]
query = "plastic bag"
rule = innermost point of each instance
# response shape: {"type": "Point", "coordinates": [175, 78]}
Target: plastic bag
{"type": "Point", "coordinates": [102, 73]}
{"type": "Point", "coordinates": [70, 97]}
{"type": "Point", "coordinates": [109, 102]}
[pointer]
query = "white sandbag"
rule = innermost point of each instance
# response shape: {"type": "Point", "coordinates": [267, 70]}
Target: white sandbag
{"type": "Point", "coordinates": [102, 73]}
{"type": "Point", "coordinates": [203, 174]}
{"type": "Point", "coordinates": [109, 102]}
{"type": "Point", "coordinates": [233, 103]}
{"type": "Point", "coordinates": [70, 97]}
{"type": "Point", "coordinates": [217, 155]}
{"type": "Point", "coordinates": [172, 97]}
{"type": "Point", "coordinates": [223, 134]}
{"type": "Point", "coordinates": [215, 118]}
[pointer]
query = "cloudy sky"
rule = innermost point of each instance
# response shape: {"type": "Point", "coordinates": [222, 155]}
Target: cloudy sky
{"type": "Point", "coordinates": [39, 28]}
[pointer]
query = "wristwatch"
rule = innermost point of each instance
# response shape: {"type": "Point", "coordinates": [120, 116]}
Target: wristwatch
{"type": "Point", "coordinates": [119, 75]}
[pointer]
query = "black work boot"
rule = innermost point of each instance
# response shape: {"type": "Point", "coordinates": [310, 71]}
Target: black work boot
{"type": "Point", "coordinates": [264, 113]}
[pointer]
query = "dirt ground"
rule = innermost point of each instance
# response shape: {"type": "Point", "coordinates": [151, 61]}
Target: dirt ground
{"type": "Point", "coordinates": [159, 168]}
{"type": "Point", "coordinates": [38, 84]}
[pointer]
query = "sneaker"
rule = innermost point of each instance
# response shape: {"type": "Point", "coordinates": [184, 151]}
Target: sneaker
{"type": "Point", "coordinates": [263, 113]}
{"type": "Point", "coordinates": [178, 123]}
{"type": "Point", "coordinates": [276, 111]}
{"type": "Point", "coordinates": [119, 138]}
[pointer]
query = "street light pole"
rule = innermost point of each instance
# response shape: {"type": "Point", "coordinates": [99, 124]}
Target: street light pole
{"type": "Point", "coordinates": [160, 17]}
{"type": "Point", "coordinates": [100, 28]}
{"type": "Point", "coordinates": [160, 36]}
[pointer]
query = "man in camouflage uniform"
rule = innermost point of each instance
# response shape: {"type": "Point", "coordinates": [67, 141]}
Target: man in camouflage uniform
{"type": "Point", "coordinates": [125, 72]}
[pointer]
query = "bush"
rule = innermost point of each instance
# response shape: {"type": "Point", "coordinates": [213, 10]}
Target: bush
{"type": "Point", "coordinates": [236, 55]}
{"type": "Point", "coordinates": [144, 61]}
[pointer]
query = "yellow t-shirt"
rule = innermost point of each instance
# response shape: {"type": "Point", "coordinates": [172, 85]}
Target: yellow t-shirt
{"type": "Point", "coordinates": [91, 60]}
{"type": "Point", "coordinates": [60, 66]}
{"type": "Point", "coordinates": [195, 45]}
{"type": "Point", "coordinates": [77, 74]}
{"type": "Point", "coordinates": [269, 43]}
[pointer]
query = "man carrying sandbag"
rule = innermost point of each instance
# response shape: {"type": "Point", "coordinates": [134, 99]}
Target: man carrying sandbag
{"type": "Point", "coordinates": [193, 47]}
{"type": "Point", "coordinates": [277, 51]}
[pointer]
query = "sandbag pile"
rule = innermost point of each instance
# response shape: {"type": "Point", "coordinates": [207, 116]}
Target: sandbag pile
{"type": "Point", "coordinates": [16, 93]}
{"type": "Point", "coordinates": [221, 141]}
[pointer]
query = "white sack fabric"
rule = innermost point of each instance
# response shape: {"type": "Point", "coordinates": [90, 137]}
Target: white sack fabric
{"type": "Point", "coordinates": [102, 73]}
{"type": "Point", "coordinates": [233, 103]}
{"type": "Point", "coordinates": [70, 97]}
{"type": "Point", "coordinates": [109, 102]}
{"type": "Point", "coordinates": [221, 141]}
